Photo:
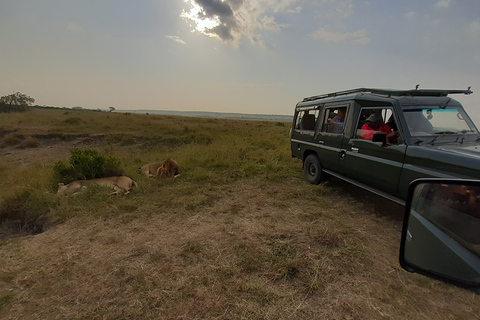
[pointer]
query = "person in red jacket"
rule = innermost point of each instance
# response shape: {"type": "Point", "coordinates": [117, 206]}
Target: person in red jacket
{"type": "Point", "coordinates": [374, 123]}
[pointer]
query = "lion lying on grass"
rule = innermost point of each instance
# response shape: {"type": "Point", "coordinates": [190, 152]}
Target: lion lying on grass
{"type": "Point", "coordinates": [167, 168]}
{"type": "Point", "coordinates": [120, 185]}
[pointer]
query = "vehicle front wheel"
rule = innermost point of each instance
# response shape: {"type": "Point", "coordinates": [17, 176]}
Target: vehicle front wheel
{"type": "Point", "coordinates": [313, 169]}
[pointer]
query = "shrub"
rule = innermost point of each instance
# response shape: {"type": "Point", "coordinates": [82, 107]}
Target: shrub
{"type": "Point", "coordinates": [24, 212]}
{"type": "Point", "coordinates": [64, 172]}
{"type": "Point", "coordinates": [7, 108]}
{"type": "Point", "coordinates": [86, 164]}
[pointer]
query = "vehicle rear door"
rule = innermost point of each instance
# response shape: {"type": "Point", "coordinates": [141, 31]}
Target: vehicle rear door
{"type": "Point", "coordinates": [330, 134]}
{"type": "Point", "coordinates": [303, 137]}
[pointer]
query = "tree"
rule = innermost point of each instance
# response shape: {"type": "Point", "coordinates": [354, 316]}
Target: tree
{"type": "Point", "coordinates": [111, 109]}
{"type": "Point", "coordinates": [16, 102]}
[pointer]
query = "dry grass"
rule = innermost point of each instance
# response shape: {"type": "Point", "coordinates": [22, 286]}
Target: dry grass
{"type": "Point", "coordinates": [240, 235]}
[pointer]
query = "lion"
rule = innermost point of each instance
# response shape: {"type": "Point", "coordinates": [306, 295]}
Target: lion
{"type": "Point", "coordinates": [150, 170]}
{"type": "Point", "coordinates": [167, 168]}
{"type": "Point", "coordinates": [120, 185]}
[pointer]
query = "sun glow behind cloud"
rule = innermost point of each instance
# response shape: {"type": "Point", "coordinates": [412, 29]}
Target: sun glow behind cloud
{"type": "Point", "coordinates": [198, 16]}
{"type": "Point", "coordinates": [232, 20]}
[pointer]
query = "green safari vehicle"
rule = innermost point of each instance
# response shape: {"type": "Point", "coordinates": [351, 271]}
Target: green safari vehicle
{"type": "Point", "coordinates": [382, 139]}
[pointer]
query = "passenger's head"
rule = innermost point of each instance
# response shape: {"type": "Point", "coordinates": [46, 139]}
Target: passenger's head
{"type": "Point", "coordinates": [374, 120]}
{"type": "Point", "coordinates": [341, 114]}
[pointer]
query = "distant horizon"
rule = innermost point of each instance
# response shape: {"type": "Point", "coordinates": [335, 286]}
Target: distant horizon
{"type": "Point", "coordinates": [213, 114]}
{"type": "Point", "coordinates": [163, 110]}
{"type": "Point", "coordinates": [193, 111]}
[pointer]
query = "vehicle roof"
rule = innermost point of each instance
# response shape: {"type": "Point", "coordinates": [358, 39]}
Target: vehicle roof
{"type": "Point", "coordinates": [373, 94]}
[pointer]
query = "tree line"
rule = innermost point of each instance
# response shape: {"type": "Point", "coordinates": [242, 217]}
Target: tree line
{"type": "Point", "coordinates": [15, 102]}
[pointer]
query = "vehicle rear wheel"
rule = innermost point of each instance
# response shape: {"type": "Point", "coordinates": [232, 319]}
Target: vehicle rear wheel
{"type": "Point", "coordinates": [313, 169]}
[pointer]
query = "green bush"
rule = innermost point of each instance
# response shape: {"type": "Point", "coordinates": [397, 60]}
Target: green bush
{"type": "Point", "coordinates": [86, 164]}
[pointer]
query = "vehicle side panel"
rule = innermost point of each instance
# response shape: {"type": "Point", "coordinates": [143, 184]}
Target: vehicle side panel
{"type": "Point", "coordinates": [433, 162]}
{"type": "Point", "coordinates": [373, 164]}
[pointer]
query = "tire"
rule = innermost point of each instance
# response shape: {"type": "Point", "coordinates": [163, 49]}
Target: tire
{"type": "Point", "coordinates": [313, 169]}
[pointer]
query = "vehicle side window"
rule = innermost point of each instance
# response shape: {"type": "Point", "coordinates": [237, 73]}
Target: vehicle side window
{"type": "Point", "coordinates": [334, 119]}
{"type": "Point", "coordinates": [452, 208]}
{"type": "Point", "coordinates": [377, 120]}
{"type": "Point", "coordinates": [306, 120]}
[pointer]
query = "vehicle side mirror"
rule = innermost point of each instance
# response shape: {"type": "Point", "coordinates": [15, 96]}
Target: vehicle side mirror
{"type": "Point", "coordinates": [441, 231]}
{"type": "Point", "coordinates": [380, 137]}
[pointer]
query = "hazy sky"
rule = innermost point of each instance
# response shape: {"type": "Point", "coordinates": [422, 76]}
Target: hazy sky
{"type": "Point", "coordinates": [247, 56]}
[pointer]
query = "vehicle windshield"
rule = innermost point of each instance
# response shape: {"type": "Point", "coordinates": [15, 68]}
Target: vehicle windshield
{"type": "Point", "coordinates": [436, 122]}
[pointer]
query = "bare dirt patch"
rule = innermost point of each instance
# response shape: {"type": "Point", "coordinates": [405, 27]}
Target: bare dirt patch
{"type": "Point", "coordinates": [49, 149]}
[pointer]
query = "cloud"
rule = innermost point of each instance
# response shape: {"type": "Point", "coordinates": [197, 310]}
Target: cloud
{"type": "Point", "coordinates": [357, 37]}
{"type": "Point", "coordinates": [176, 39]}
{"type": "Point", "coordinates": [75, 28]}
{"type": "Point", "coordinates": [217, 7]}
{"type": "Point", "coordinates": [410, 14]}
{"type": "Point", "coordinates": [335, 15]}
{"type": "Point", "coordinates": [443, 4]}
{"type": "Point", "coordinates": [230, 20]}
{"type": "Point", "coordinates": [336, 9]}
{"type": "Point", "coordinates": [474, 27]}
{"type": "Point", "coordinates": [297, 9]}
{"type": "Point", "coordinates": [269, 23]}
{"type": "Point", "coordinates": [473, 31]}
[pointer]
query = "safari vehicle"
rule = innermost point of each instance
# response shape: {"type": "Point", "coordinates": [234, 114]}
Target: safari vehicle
{"type": "Point", "coordinates": [441, 231]}
{"type": "Point", "coordinates": [382, 139]}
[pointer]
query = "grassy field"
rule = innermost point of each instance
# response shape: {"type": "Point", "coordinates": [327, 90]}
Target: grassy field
{"type": "Point", "coordinates": [240, 235]}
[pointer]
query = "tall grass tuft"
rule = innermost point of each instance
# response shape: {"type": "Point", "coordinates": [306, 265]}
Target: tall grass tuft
{"type": "Point", "coordinates": [10, 140]}
{"type": "Point", "coordinates": [29, 142]}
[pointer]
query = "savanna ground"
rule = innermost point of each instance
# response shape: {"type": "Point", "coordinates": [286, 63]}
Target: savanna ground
{"type": "Point", "coordinates": [240, 235]}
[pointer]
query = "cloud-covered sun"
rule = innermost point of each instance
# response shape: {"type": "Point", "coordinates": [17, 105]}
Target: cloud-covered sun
{"type": "Point", "coordinates": [202, 22]}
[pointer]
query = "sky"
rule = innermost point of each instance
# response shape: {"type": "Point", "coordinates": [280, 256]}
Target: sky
{"type": "Point", "coordinates": [242, 56]}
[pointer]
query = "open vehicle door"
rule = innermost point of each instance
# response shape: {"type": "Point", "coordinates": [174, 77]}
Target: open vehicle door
{"type": "Point", "coordinates": [441, 231]}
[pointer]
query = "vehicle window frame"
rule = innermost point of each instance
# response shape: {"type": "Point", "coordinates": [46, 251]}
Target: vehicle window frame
{"type": "Point", "coordinates": [385, 115]}
{"type": "Point", "coordinates": [330, 108]}
{"type": "Point", "coordinates": [300, 117]}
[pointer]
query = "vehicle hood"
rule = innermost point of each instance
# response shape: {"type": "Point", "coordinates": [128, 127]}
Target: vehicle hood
{"type": "Point", "coordinates": [468, 150]}
{"type": "Point", "coordinates": [450, 160]}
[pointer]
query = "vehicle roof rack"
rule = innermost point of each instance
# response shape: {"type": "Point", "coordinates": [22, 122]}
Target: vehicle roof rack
{"type": "Point", "coordinates": [391, 92]}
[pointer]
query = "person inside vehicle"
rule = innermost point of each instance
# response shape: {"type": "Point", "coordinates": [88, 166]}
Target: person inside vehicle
{"type": "Point", "coordinates": [336, 123]}
{"type": "Point", "coordinates": [374, 123]}
{"type": "Point", "coordinates": [418, 124]}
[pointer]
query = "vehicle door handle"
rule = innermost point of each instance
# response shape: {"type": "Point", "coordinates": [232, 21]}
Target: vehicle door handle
{"type": "Point", "coordinates": [354, 149]}
{"type": "Point", "coordinates": [321, 142]}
